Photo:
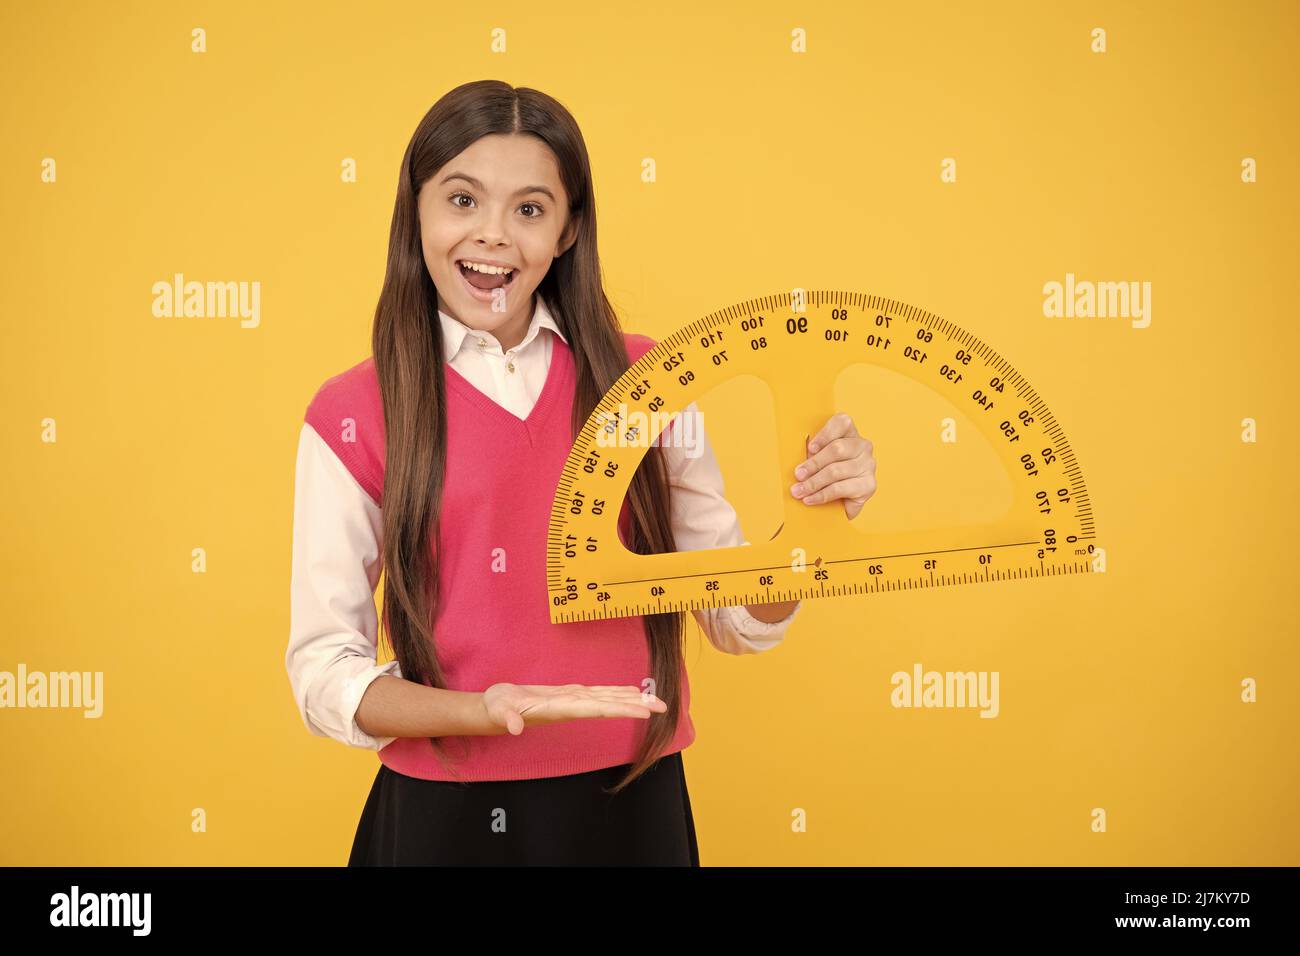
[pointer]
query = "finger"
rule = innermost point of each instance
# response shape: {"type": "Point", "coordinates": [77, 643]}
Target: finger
{"type": "Point", "coordinates": [590, 707]}
{"type": "Point", "coordinates": [840, 449]}
{"type": "Point", "coordinates": [621, 697]}
{"type": "Point", "coordinates": [860, 487]}
{"type": "Point", "coordinates": [836, 448]}
{"type": "Point", "coordinates": [837, 426]}
{"type": "Point", "coordinates": [612, 692]}
{"type": "Point", "coordinates": [613, 695]}
{"type": "Point", "coordinates": [579, 688]}
{"type": "Point", "coordinates": [831, 473]}
{"type": "Point", "coordinates": [624, 698]}
{"type": "Point", "coordinates": [631, 710]}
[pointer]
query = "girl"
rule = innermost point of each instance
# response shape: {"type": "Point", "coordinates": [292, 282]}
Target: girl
{"type": "Point", "coordinates": [502, 738]}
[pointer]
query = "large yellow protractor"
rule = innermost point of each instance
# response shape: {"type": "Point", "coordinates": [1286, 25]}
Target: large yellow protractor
{"type": "Point", "coordinates": [804, 339]}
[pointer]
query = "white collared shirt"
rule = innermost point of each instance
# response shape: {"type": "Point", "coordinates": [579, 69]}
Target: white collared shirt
{"type": "Point", "coordinates": [332, 655]}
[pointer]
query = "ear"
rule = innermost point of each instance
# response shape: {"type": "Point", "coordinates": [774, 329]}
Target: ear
{"type": "Point", "coordinates": [568, 237]}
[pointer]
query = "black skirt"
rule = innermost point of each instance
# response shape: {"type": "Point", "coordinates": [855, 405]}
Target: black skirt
{"type": "Point", "coordinates": [551, 821]}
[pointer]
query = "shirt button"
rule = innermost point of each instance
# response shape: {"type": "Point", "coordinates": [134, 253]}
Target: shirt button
{"type": "Point", "coordinates": [510, 366]}
{"type": "Point", "coordinates": [482, 343]}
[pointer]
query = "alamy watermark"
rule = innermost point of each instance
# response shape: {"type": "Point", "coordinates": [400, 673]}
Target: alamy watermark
{"type": "Point", "coordinates": [208, 300]}
{"type": "Point", "coordinates": [70, 689]}
{"type": "Point", "coordinates": [1102, 300]}
{"type": "Point", "coordinates": [76, 908]}
{"type": "Point", "coordinates": [946, 689]}
{"type": "Point", "coordinates": [626, 428]}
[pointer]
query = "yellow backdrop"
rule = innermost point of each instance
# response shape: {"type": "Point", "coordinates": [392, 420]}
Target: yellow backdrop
{"type": "Point", "coordinates": [955, 157]}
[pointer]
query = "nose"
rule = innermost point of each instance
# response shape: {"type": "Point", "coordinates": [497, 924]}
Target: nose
{"type": "Point", "coordinates": [492, 228]}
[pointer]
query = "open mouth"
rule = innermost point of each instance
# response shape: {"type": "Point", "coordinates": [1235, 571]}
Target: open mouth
{"type": "Point", "coordinates": [483, 284]}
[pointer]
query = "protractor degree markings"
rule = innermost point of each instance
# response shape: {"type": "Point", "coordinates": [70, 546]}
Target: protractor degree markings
{"type": "Point", "coordinates": [839, 590]}
{"type": "Point", "coordinates": [819, 563]}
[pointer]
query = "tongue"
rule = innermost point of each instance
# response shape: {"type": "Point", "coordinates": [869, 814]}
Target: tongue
{"type": "Point", "coordinates": [480, 280]}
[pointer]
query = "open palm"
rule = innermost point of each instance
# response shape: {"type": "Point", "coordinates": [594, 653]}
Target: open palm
{"type": "Point", "coordinates": [514, 706]}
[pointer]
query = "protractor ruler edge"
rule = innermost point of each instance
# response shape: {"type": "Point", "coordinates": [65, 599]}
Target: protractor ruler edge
{"type": "Point", "coordinates": [815, 553]}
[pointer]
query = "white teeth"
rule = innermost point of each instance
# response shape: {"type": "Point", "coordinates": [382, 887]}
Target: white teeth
{"type": "Point", "coordinates": [490, 270]}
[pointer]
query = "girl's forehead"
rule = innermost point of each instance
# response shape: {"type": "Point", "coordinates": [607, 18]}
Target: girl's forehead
{"type": "Point", "coordinates": [503, 156]}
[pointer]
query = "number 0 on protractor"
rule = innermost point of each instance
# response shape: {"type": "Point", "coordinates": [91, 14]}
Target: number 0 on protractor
{"type": "Point", "coordinates": [798, 342]}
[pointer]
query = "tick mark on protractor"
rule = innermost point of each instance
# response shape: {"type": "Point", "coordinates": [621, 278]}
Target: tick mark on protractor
{"type": "Point", "coordinates": [798, 344]}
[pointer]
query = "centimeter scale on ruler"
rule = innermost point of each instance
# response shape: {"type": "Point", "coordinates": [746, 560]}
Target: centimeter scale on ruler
{"type": "Point", "coordinates": [798, 342]}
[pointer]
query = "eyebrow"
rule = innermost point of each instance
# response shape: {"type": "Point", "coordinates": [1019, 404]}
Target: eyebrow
{"type": "Point", "coordinates": [478, 185]}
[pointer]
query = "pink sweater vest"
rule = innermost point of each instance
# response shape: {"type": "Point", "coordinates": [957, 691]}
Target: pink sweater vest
{"type": "Point", "coordinates": [494, 626]}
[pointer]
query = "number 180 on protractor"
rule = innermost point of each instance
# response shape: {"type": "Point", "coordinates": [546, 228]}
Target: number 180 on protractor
{"type": "Point", "coordinates": [799, 342]}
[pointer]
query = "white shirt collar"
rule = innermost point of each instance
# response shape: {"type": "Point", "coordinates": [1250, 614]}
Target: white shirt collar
{"type": "Point", "coordinates": [456, 334]}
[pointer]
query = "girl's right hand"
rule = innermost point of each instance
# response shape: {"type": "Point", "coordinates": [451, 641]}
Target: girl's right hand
{"type": "Point", "coordinates": [514, 706]}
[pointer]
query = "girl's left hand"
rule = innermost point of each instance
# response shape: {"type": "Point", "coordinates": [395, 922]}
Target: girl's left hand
{"type": "Point", "coordinates": [840, 465]}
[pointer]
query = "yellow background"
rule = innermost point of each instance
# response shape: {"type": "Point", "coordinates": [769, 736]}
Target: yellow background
{"type": "Point", "coordinates": [775, 169]}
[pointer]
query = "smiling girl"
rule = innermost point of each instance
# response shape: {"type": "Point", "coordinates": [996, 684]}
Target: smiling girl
{"type": "Point", "coordinates": [502, 738]}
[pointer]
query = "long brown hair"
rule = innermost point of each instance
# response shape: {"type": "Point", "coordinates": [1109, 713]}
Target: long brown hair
{"type": "Point", "coordinates": [408, 351]}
